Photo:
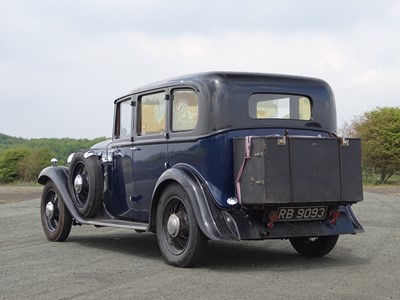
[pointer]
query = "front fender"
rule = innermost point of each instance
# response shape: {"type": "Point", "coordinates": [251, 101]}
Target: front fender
{"type": "Point", "coordinates": [59, 176]}
{"type": "Point", "coordinates": [208, 216]}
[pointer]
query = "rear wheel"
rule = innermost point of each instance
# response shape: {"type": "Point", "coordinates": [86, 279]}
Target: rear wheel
{"type": "Point", "coordinates": [180, 239]}
{"type": "Point", "coordinates": [314, 246]}
{"type": "Point", "coordinates": [85, 183]}
{"type": "Point", "coordinates": [56, 219]}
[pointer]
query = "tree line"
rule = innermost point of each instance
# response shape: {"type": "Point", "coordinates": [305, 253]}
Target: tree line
{"type": "Point", "coordinates": [21, 160]}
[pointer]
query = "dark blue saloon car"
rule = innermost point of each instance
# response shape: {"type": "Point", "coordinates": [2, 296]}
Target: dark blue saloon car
{"type": "Point", "coordinates": [220, 156]}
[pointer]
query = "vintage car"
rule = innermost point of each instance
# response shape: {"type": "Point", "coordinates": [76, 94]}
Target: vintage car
{"type": "Point", "coordinates": [220, 156]}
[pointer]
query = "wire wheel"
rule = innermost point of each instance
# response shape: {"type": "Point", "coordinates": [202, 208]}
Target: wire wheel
{"type": "Point", "coordinates": [56, 220]}
{"type": "Point", "coordinates": [180, 239]}
{"type": "Point", "coordinates": [85, 183]}
{"type": "Point", "coordinates": [52, 210]}
{"type": "Point", "coordinates": [176, 225]}
{"type": "Point", "coordinates": [81, 184]}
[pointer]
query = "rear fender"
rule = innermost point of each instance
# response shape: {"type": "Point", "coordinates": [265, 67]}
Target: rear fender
{"type": "Point", "coordinates": [208, 216]}
{"type": "Point", "coordinates": [59, 176]}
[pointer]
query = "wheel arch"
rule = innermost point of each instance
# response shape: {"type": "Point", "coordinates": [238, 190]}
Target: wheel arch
{"type": "Point", "coordinates": [207, 217]}
{"type": "Point", "coordinates": [59, 176]}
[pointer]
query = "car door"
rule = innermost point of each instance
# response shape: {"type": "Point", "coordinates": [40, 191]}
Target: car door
{"type": "Point", "coordinates": [120, 203]}
{"type": "Point", "coordinates": [149, 148]}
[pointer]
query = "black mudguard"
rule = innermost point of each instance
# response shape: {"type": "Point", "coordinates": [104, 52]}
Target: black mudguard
{"type": "Point", "coordinates": [208, 216]}
{"type": "Point", "coordinates": [59, 175]}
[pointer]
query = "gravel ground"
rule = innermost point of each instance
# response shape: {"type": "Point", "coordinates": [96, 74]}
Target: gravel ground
{"type": "Point", "coordinates": [104, 263]}
{"type": "Point", "coordinates": [386, 190]}
{"type": "Point", "coordinates": [18, 193]}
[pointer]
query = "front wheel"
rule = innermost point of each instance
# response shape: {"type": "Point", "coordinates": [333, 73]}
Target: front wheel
{"type": "Point", "coordinates": [314, 246]}
{"type": "Point", "coordinates": [180, 239]}
{"type": "Point", "coordinates": [56, 219]}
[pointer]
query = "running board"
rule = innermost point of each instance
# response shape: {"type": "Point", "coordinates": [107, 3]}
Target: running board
{"type": "Point", "coordinates": [118, 224]}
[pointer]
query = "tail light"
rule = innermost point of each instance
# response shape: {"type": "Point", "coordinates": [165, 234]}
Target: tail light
{"type": "Point", "coordinates": [272, 217]}
{"type": "Point", "coordinates": [334, 215]}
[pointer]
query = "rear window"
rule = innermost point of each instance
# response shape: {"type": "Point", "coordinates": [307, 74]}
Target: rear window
{"type": "Point", "coordinates": [279, 106]}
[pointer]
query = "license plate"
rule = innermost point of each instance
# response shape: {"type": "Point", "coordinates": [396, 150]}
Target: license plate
{"type": "Point", "coordinates": [302, 213]}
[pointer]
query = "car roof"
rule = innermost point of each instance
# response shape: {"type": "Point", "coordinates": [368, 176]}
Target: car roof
{"type": "Point", "coordinates": [223, 76]}
{"type": "Point", "coordinates": [224, 88]}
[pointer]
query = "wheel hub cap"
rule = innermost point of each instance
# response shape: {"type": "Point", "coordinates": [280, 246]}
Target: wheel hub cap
{"type": "Point", "coordinates": [49, 210]}
{"type": "Point", "coordinates": [78, 182]}
{"type": "Point", "coordinates": [173, 225]}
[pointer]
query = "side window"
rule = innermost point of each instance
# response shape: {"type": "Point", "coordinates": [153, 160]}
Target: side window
{"type": "Point", "coordinates": [278, 106]}
{"type": "Point", "coordinates": [152, 114]}
{"type": "Point", "coordinates": [185, 110]}
{"type": "Point", "coordinates": [123, 128]}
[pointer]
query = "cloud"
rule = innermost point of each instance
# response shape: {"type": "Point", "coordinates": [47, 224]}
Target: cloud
{"type": "Point", "coordinates": [71, 59]}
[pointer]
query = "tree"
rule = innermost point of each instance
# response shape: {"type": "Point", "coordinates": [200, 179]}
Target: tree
{"type": "Point", "coordinates": [22, 159]}
{"type": "Point", "coordinates": [23, 164]}
{"type": "Point", "coordinates": [29, 166]}
{"type": "Point", "coordinates": [9, 161]}
{"type": "Point", "coordinates": [379, 131]}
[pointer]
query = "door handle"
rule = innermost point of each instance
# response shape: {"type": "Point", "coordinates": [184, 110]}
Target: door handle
{"type": "Point", "coordinates": [135, 148]}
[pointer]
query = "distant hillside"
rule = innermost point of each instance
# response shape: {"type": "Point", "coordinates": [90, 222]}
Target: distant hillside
{"type": "Point", "coordinates": [60, 147]}
{"type": "Point", "coordinates": [10, 140]}
{"type": "Point", "coordinates": [21, 160]}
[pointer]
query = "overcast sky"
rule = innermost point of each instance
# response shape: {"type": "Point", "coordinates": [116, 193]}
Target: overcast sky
{"type": "Point", "coordinates": [62, 63]}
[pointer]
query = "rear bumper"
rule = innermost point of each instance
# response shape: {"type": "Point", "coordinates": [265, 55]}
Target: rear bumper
{"type": "Point", "coordinates": [247, 225]}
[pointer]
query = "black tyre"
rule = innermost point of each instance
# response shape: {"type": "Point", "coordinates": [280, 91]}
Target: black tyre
{"type": "Point", "coordinates": [314, 246]}
{"type": "Point", "coordinates": [56, 219]}
{"type": "Point", "coordinates": [85, 183]}
{"type": "Point", "coordinates": [180, 239]}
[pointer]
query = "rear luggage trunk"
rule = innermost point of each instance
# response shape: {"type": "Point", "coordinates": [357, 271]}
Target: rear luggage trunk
{"type": "Point", "coordinates": [297, 170]}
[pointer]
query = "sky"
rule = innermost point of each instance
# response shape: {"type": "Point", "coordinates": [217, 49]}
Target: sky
{"type": "Point", "coordinates": [63, 63]}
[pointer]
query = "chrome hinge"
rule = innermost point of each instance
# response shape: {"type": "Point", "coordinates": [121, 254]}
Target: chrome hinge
{"type": "Point", "coordinates": [344, 142]}
{"type": "Point", "coordinates": [282, 141]}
